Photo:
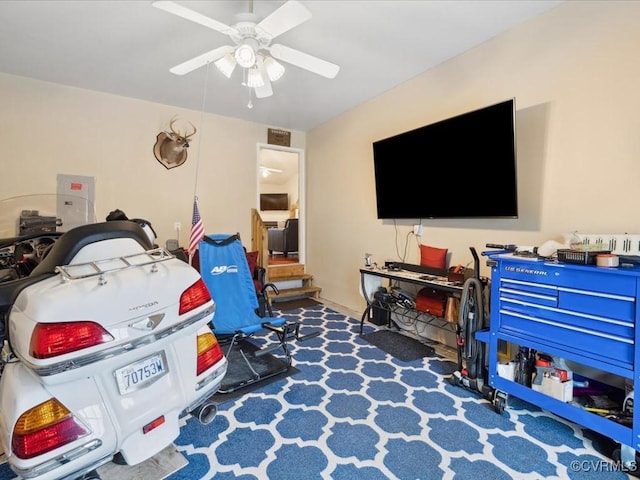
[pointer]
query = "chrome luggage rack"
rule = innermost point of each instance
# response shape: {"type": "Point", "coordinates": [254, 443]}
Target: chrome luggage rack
{"type": "Point", "coordinates": [115, 264]}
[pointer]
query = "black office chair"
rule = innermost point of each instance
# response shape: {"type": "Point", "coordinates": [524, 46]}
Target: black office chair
{"type": "Point", "coordinates": [285, 239]}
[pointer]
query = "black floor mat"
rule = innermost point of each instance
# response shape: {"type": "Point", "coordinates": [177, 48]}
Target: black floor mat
{"type": "Point", "coordinates": [398, 345]}
{"type": "Point", "coordinates": [295, 304]}
{"type": "Point", "coordinates": [245, 368]}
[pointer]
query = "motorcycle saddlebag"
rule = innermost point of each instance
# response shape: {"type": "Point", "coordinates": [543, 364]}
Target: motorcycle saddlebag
{"type": "Point", "coordinates": [432, 301]}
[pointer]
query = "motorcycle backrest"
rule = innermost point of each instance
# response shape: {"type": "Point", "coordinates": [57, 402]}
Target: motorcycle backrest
{"type": "Point", "coordinates": [69, 244]}
{"type": "Point", "coordinates": [148, 229]}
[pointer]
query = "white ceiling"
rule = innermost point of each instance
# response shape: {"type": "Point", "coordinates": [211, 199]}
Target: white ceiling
{"type": "Point", "coordinates": [126, 48]}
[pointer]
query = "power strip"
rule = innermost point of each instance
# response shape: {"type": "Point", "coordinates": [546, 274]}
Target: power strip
{"type": "Point", "coordinates": [625, 244]}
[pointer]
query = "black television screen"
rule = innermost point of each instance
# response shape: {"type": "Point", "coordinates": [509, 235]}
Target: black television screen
{"type": "Point", "coordinates": [274, 201]}
{"type": "Point", "coordinates": [461, 167]}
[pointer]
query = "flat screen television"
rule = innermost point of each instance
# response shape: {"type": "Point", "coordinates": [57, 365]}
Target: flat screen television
{"type": "Point", "coordinates": [274, 201]}
{"type": "Point", "coordinates": [460, 167]}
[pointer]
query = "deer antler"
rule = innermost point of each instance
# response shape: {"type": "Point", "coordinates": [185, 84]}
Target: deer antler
{"type": "Point", "coordinates": [186, 135]}
{"type": "Point", "coordinates": [192, 133]}
{"type": "Point", "coordinates": [173, 120]}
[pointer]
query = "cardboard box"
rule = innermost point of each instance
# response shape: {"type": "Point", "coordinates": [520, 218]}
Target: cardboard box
{"type": "Point", "coordinates": [507, 370]}
{"type": "Point", "coordinates": [551, 386]}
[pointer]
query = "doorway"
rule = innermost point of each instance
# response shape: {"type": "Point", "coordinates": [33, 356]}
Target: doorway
{"type": "Point", "coordinates": [281, 170]}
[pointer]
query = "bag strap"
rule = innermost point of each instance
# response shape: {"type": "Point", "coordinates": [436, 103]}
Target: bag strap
{"type": "Point", "coordinates": [222, 242]}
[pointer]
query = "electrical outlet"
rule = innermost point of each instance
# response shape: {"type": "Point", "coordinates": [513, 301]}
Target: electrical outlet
{"type": "Point", "coordinates": [177, 225]}
{"type": "Point", "coordinates": [417, 230]}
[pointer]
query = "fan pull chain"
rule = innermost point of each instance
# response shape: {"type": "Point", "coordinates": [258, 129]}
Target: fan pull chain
{"type": "Point", "coordinates": [250, 104]}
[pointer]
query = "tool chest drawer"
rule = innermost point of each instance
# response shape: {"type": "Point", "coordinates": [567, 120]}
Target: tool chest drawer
{"type": "Point", "coordinates": [618, 307]}
{"type": "Point", "coordinates": [563, 275]}
{"type": "Point", "coordinates": [529, 292]}
{"type": "Point", "coordinates": [572, 321]}
{"type": "Point", "coordinates": [601, 340]}
{"type": "Point", "coordinates": [545, 299]}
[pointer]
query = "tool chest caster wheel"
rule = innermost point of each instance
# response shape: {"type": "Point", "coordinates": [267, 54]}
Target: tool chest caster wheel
{"type": "Point", "coordinates": [629, 457]}
{"type": "Point", "coordinates": [500, 401]}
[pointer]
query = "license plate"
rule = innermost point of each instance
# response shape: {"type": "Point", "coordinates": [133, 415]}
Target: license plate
{"type": "Point", "coordinates": [142, 373]}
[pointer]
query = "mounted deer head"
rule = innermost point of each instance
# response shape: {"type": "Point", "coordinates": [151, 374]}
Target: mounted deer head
{"type": "Point", "coordinates": [171, 147]}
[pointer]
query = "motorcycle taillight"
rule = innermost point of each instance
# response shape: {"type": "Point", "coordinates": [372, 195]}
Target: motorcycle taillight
{"type": "Point", "coordinates": [209, 352]}
{"type": "Point", "coordinates": [43, 428]}
{"type": "Point", "coordinates": [193, 297]}
{"type": "Point", "coordinates": [53, 339]}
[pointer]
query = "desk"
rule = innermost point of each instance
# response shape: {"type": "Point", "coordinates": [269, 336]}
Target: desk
{"type": "Point", "coordinates": [413, 274]}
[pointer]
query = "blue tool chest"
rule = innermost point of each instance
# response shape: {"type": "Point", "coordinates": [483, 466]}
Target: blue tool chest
{"type": "Point", "coordinates": [581, 313]}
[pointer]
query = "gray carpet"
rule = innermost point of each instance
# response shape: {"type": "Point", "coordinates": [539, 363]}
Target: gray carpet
{"type": "Point", "coordinates": [287, 305]}
{"type": "Point", "coordinates": [398, 345]}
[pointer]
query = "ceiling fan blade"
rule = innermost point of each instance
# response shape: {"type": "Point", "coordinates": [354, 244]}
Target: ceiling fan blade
{"type": "Point", "coordinates": [201, 60]}
{"type": "Point", "coordinates": [304, 60]}
{"type": "Point", "coordinates": [265, 90]}
{"type": "Point", "coordinates": [288, 16]}
{"type": "Point", "coordinates": [193, 16]}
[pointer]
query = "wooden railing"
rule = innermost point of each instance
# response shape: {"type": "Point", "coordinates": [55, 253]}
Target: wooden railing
{"type": "Point", "coordinates": [292, 272]}
{"type": "Point", "coordinates": [259, 238]}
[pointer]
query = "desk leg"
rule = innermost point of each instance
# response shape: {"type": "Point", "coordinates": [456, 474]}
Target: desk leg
{"type": "Point", "coordinates": [366, 315]}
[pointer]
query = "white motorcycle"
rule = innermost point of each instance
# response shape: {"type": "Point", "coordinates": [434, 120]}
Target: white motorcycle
{"type": "Point", "coordinates": [106, 341]}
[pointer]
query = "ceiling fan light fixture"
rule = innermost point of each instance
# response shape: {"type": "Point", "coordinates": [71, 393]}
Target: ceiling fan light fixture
{"type": "Point", "coordinates": [226, 65]}
{"type": "Point", "coordinates": [274, 69]}
{"type": "Point", "coordinates": [251, 41]}
{"type": "Point", "coordinates": [254, 78]}
{"type": "Point", "coordinates": [245, 55]}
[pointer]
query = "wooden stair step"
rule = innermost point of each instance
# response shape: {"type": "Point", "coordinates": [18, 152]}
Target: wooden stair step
{"type": "Point", "coordinates": [295, 292]}
{"type": "Point", "coordinates": [284, 271]}
{"type": "Point", "coordinates": [305, 277]}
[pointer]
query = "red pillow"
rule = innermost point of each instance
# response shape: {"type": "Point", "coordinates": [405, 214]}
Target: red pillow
{"type": "Point", "coordinates": [433, 257]}
{"type": "Point", "coordinates": [252, 260]}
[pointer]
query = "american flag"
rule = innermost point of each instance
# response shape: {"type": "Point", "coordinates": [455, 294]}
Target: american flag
{"type": "Point", "coordinates": [197, 228]}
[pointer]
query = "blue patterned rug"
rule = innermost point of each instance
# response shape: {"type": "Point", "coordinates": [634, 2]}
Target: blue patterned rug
{"type": "Point", "coordinates": [354, 412]}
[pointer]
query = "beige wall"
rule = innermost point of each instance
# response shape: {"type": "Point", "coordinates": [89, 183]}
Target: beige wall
{"type": "Point", "coordinates": [575, 75]}
{"type": "Point", "coordinates": [48, 129]}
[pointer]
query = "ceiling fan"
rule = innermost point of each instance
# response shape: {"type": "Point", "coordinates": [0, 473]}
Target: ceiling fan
{"type": "Point", "coordinates": [252, 47]}
{"type": "Point", "coordinates": [266, 171]}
